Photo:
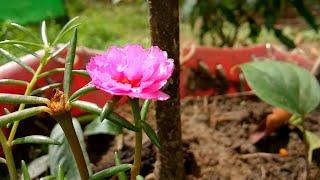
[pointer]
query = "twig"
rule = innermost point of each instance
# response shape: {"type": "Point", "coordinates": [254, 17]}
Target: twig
{"type": "Point", "coordinates": [258, 155]}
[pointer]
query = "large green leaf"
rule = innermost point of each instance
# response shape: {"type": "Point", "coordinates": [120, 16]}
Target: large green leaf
{"type": "Point", "coordinates": [62, 155]}
{"type": "Point", "coordinates": [284, 85]}
{"type": "Point", "coordinates": [104, 127]}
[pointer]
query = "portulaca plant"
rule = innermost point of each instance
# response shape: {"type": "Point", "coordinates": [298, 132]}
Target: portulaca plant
{"type": "Point", "coordinates": [129, 71]}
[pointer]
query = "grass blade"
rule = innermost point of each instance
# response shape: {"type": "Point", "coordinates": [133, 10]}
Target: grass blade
{"type": "Point", "coordinates": [44, 88]}
{"type": "Point", "coordinates": [69, 65]}
{"type": "Point", "coordinates": [110, 171]}
{"type": "Point", "coordinates": [16, 60]}
{"type": "Point", "coordinates": [35, 139]}
{"type": "Point", "coordinates": [82, 91]}
{"type": "Point", "coordinates": [22, 99]}
{"type": "Point", "coordinates": [44, 34]}
{"type": "Point", "coordinates": [13, 82]}
{"type": "Point", "coordinates": [23, 114]}
{"type": "Point", "coordinates": [25, 171]}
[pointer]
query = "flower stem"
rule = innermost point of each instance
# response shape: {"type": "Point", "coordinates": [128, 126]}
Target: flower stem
{"type": "Point", "coordinates": [135, 170]}
{"type": "Point", "coordinates": [65, 121]}
{"type": "Point", "coordinates": [9, 157]}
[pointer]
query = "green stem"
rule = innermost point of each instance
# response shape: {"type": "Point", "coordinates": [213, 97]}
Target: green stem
{"type": "Point", "coordinates": [135, 170]}
{"type": "Point", "coordinates": [306, 146]}
{"type": "Point", "coordinates": [9, 157]}
{"type": "Point", "coordinates": [65, 121]}
{"type": "Point", "coordinates": [22, 106]}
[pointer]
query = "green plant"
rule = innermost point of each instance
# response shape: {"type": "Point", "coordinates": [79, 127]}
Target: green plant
{"type": "Point", "coordinates": [222, 20]}
{"type": "Point", "coordinates": [58, 106]}
{"type": "Point", "coordinates": [289, 87]}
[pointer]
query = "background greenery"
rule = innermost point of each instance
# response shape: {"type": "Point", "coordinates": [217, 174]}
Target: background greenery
{"type": "Point", "coordinates": [104, 24]}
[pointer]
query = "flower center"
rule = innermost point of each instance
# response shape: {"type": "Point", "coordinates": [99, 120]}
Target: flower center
{"type": "Point", "coordinates": [125, 80]}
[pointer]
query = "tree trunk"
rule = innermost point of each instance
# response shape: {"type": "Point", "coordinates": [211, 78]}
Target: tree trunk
{"type": "Point", "coordinates": [164, 23]}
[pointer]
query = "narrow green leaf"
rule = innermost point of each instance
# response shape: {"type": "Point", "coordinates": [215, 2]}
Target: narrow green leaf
{"type": "Point", "coordinates": [150, 133]}
{"type": "Point", "coordinates": [69, 30]}
{"type": "Point", "coordinates": [16, 60]}
{"type": "Point", "coordinates": [87, 118]}
{"type": "Point", "coordinates": [6, 111]}
{"type": "Point", "coordinates": [35, 139]}
{"type": "Point", "coordinates": [60, 70]}
{"type": "Point", "coordinates": [26, 50]}
{"type": "Point", "coordinates": [305, 13]}
{"type": "Point", "coordinates": [144, 109]}
{"type": "Point", "coordinates": [139, 177]}
{"type": "Point", "coordinates": [104, 127]}
{"type": "Point", "coordinates": [13, 82]}
{"type": "Point", "coordinates": [283, 85]}
{"type": "Point", "coordinates": [25, 171]}
{"type": "Point", "coordinates": [44, 34]}
{"type": "Point", "coordinates": [113, 117]}
{"type": "Point", "coordinates": [62, 155]}
{"type": "Point", "coordinates": [111, 171]}
{"type": "Point", "coordinates": [22, 99]}
{"type": "Point", "coordinates": [48, 178]}
{"type": "Point", "coordinates": [21, 42]}
{"type": "Point", "coordinates": [117, 161]}
{"type": "Point", "coordinates": [55, 53]}
{"type": "Point", "coordinates": [82, 91]}
{"type": "Point", "coordinates": [313, 143]}
{"type": "Point", "coordinates": [60, 173]}
{"type": "Point", "coordinates": [65, 27]}
{"type": "Point", "coordinates": [69, 65]}
{"type": "Point", "coordinates": [106, 110]}
{"type": "Point", "coordinates": [44, 88]}
{"type": "Point", "coordinates": [23, 114]}
{"type": "Point", "coordinates": [289, 43]}
{"type": "Point", "coordinates": [25, 30]}
{"type": "Point", "coordinates": [2, 160]}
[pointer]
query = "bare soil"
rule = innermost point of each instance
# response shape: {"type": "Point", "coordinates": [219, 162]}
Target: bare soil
{"type": "Point", "coordinates": [216, 142]}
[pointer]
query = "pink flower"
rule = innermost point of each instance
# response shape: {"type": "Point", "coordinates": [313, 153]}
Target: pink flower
{"type": "Point", "coordinates": [132, 71]}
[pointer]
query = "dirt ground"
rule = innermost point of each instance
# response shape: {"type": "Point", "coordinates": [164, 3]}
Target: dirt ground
{"type": "Point", "coordinates": [216, 143]}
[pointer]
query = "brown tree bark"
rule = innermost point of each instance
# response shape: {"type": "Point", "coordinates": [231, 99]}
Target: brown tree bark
{"type": "Point", "coordinates": [164, 23]}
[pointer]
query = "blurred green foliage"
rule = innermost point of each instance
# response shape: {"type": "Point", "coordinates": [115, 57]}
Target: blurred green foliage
{"type": "Point", "coordinates": [222, 20]}
{"type": "Point", "coordinates": [102, 24]}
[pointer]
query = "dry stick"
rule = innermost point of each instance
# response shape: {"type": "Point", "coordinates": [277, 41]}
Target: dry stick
{"type": "Point", "coordinates": [164, 24]}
